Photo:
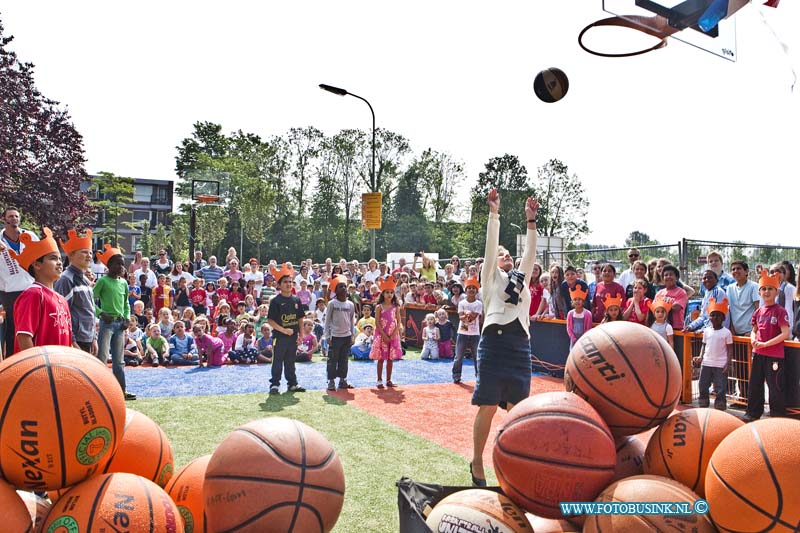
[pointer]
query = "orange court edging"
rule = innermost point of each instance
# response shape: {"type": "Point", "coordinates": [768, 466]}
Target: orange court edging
{"type": "Point", "coordinates": [441, 413]}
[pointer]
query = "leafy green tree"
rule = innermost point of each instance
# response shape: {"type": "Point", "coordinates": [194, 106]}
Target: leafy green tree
{"type": "Point", "coordinates": [303, 146]}
{"type": "Point", "coordinates": [207, 139]}
{"type": "Point", "coordinates": [563, 204]}
{"type": "Point", "coordinates": [325, 205]}
{"type": "Point", "coordinates": [114, 193]}
{"type": "Point", "coordinates": [410, 229]}
{"type": "Point", "coordinates": [638, 238]}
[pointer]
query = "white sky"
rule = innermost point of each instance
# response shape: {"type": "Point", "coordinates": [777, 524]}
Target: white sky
{"type": "Point", "coordinates": [676, 143]}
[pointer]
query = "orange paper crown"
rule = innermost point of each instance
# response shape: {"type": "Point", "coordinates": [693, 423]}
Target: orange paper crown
{"type": "Point", "coordinates": [387, 284]}
{"type": "Point", "coordinates": [721, 307]}
{"type": "Point", "coordinates": [472, 282]}
{"type": "Point", "coordinates": [769, 281]}
{"type": "Point", "coordinates": [34, 249]}
{"type": "Point", "coordinates": [335, 281]}
{"type": "Point", "coordinates": [77, 243]}
{"type": "Point", "coordinates": [609, 300]}
{"type": "Point", "coordinates": [107, 253]}
{"type": "Point", "coordinates": [578, 292]}
{"type": "Point", "coordinates": [286, 269]}
{"type": "Point", "coordinates": [659, 302]}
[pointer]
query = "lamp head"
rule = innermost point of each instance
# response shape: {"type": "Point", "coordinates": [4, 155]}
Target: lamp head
{"type": "Point", "coordinates": [332, 89]}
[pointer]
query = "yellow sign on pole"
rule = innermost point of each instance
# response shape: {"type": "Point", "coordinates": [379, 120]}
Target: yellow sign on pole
{"type": "Point", "coordinates": [371, 204]}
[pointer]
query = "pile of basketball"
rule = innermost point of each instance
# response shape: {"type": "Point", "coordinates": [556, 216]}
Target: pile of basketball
{"type": "Point", "coordinates": [613, 437]}
{"type": "Point", "coordinates": [65, 431]}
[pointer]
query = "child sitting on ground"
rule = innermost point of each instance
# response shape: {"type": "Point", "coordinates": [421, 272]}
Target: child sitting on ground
{"type": "Point", "coordinates": [245, 351]}
{"type": "Point", "coordinates": [228, 334]}
{"type": "Point", "coordinates": [366, 319]}
{"type": "Point", "coordinates": [165, 322]}
{"type": "Point", "coordinates": [430, 338]}
{"type": "Point", "coordinates": [264, 344]}
{"type": "Point", "coordinates": [445, 328]}
{"type": "Point", "coordinates": [138, 312]}
{"type": "Point", "coordinates": [363, 344]}
{"type": "Point", "coordinates": [715, 356]}
{"type": "Point", "coordinates": [156, 346]}
{"type": "Point", "coordinates": [211, 350]}
{"type": "Point", "coordinates": [182, 350]}
{"type": "Point", "coordinates": [132, 353]}
{"type": "Point", "coordinates": [308, 342]}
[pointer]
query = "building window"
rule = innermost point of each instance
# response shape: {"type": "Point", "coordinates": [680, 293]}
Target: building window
{"type": "Point", "coordinates": [142, 193]}
{"type": "Point", "coordinates": [160, 195]}
{"type": "Point", "coordinates": [141, 215]}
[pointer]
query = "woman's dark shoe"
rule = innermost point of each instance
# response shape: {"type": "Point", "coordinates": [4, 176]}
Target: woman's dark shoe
{"type": "Point", "coordinates": [476, 481]}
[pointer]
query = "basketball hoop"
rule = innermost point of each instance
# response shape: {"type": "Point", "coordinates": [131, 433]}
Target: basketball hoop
{"type": "Point", "coordinates": [207, 198]}
{"type": "Point", "coordinates": [657, 27]}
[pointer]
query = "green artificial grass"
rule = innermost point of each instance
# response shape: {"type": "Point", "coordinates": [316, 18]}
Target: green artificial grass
{"type": "Point", "coordinates": [374, 454]}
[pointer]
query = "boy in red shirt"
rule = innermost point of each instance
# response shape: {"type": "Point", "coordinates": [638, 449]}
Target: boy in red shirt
{"type": "Point", "coordinates": [770, 329]}
{"type": "Point", "coordinates": [198, 297]}
{"type": "Point", "coordinates": [41, 315]}
{"type": "Point", "coordinates": [162, 295]}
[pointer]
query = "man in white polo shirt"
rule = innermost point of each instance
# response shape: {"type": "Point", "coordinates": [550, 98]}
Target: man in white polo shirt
{"type": "Point", "coordinates": [13, 278]}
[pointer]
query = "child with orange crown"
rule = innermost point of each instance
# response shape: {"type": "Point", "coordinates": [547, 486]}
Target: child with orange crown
{"type": "Point", "coordinates": [659, 311]}
{"type": "Point", "coordinates": [41, 315]}
{"type": "Point", "coordinates": [770, 330]}
{"type": "Point", "coordinates": [613, 305]}
{"type": "Point", "coordinates": [715, 355]}
{"type": "Point", "coordinates": [470, 316]}
{"type": "Point", "coordinates": [388, 330]}
{"type": "Point", "coordinates": [579, 320]}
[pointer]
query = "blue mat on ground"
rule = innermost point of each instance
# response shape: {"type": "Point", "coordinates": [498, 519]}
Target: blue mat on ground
{"type": "Point", "coordinates": [243, 379]}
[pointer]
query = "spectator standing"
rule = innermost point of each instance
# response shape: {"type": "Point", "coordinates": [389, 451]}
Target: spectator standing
{"type": "Point", "coordinates": [639, 269]}
{"type": "Point", "coordinates": [198, 263]}
{"type": "Point", "coordinates": [743, 299]}
{"type": "Point", "coordinates": [114, 311]}
{"type": "Point", "coordinates": [673, 294]}
{"type": "Point", "coordinates": [607, 287]}
{"type": "Point", "coordinates": [75, 287]}
{"type": "Point", "coordinates": [714, 263]}
{"type": "Point", "coordinates": [786, 290]}
{"type": "Point", "coordinates": [212, 272]}
{"type": "Point", "coordinates": [163, 264]}
{"type": "Point", "coordinates": [152, 280]}
{"type": "Point", "coordinates": [715, 356]}
{"type": "Point", "coordinates": [42, 314]}
{"type": "Point", "coordinates": [13, 278]}
{"type": "Point", "coordinates": [713, 292]}
{"type": "Point", "coordinates": [579, 320]}
{"type": "Point", "coordinates": [136, 264]}
{"type": "Point", "coordinates": [284, 318]}
{"type": "Point", "coordinates": [627, 277]}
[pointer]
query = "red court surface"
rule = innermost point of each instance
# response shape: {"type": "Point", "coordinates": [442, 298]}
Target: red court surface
{"type": "Point", "coordinates": [441, 413]}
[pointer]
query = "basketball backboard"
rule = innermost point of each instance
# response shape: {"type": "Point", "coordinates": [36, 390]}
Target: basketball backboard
{"type": "Point", "coordinates": [204, 189]}
{"type": "Point", "coordinates": [706, 24]}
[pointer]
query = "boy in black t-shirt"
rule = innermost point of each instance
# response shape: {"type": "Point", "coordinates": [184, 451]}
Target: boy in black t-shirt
{"type": "Point", "coordinates": [284, 317]}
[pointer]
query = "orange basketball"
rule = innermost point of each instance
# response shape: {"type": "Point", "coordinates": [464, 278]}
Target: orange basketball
{"type": "Point", "coordinates": [753, 478]}
{"type": "Point", "coordinates": [630, 457]}
{"type": "Point", "coordinates": [628, 373]}
{"type": "Point", "coordinates": [144, 450]}
{"type": "Point", "coordinates": [186, 490]}
{"type": "Point", "coordinates": [61, 417]}
{"type": "Point", "coordinates": [478, 510]}
{"type": "Point", "coordinates": [553, 447]}
{"type": "Point", "coordinates": [643, 489]}
{"type": "Point", "coordinates": [682, 446]}
{"type": "Point", "coordinates": [274, 474]}
{"type": "Point", "coordinates": [14, 512]}
{"type": "Point", "coordinates": [38, 508]}
{"type": "Point", "coordinates": [126, 501]}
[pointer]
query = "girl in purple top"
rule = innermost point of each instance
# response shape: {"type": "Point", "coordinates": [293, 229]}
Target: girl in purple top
{"type": "Point", "coordinates": [211, 349]}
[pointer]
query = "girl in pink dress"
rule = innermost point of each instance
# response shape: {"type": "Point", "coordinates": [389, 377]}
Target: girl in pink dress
{"type": "Point", "coordinates": [386, 341]}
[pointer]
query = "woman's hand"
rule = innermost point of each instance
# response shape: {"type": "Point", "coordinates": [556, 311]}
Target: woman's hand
{"type": "Point", "coordinates": [494, 201]}
{"type": "Point", "coordinates": [531, 208]}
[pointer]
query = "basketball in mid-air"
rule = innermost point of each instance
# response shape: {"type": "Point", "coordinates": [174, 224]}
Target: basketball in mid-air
{"type": "Point", "coordinates": [551, 85]}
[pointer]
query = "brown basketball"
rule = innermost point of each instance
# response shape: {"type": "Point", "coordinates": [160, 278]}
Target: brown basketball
{"type": "Point", "coordinates": [75, 426]}
{"type": "Point", "coordinates": [682, 446]}
{"type": "Point", "coordinates": [14, 512]}
{"type": "Point", "coordinates": [628, 373]}
{"type": "Point", "coordinates": [478, 510]}
{"type": "Point", "coordinates": [630, 457]}
{"type": "Point", "coordinates": [186, 490]}
{"type": "Point", "coordinates": [553, 447]}
{"type": "Point", "coordinates": [38, 508]}
{"type": "Point", "coordinates": [144, 450]}
{"type": "Point", "coordinates": [274, 474]}
{"type": "Point", "coordinates": [126, 501]}
{"type": "Point", "coordinates": [640, 489]}
{"type": "Point", "coordinates": [753, 478]}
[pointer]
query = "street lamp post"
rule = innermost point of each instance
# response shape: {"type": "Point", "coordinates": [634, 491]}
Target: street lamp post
{"type": "Point", "coordinates": [372, 184]}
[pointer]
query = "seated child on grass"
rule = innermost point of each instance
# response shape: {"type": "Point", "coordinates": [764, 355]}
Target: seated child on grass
{"type": "Point", "coordinates": [308, 342]}
{"type": "Point", "coordinates": [264, 344]}
{"type": "Point", "coordinates": [211, 350]}
{"type": "Point", "coordinates": [156, 346]}
{"type": "Point", "coordinates": [363, 344]}
{"type": "Point", "coordinates": [182, 350]}
{"type": "Point", "coordinates": [245, 351]}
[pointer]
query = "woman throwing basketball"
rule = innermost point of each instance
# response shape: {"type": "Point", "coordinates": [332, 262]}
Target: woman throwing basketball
{"type": "Point", "coordinates": [504, 358]}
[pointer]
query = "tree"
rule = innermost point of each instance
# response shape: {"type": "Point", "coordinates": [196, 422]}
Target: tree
{"type": "Point", "coordinates": [207, 139]}
{"type": "Point", "coordinates": [113, 194]}
{"type": "Point", "coordinates": [41, 152]}
{"type": "Point", "coordinates": [510, 178]}
{"type": "Point", "coordinates": [638, 238]}
{"type": "Point", "coordinates": [408, 223]}
{"type": "Point", "coordinates": [303, 146]}
{"type": "Point", "coordinates": [563, 204]}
